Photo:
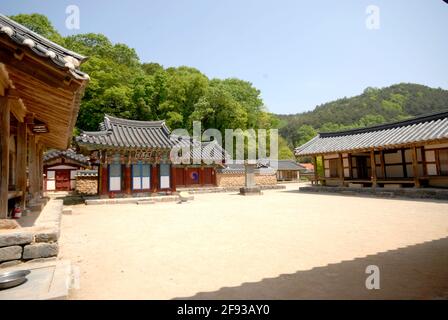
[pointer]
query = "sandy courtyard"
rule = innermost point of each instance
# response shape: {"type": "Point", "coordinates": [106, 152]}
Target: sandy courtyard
{"type": "Point", "coordinates": [283, 245]}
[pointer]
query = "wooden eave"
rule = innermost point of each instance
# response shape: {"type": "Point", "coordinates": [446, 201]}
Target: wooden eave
{"type": "Point", "coordinates": [48, 92]}
{"type": "Point", "coordinates": [388, 147]}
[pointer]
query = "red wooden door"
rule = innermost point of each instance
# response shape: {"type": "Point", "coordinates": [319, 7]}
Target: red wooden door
{"type": "Point", "coordinates": [180, 177]}
{"type": "Point", "coordinates": [208, 179]}
{"type": "Point", "coordinates": [192, 176]}
{"type": "Point", "coordinates": [62, 180]}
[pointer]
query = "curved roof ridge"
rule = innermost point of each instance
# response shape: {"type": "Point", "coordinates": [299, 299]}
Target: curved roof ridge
{"type": "Point", "coordinates": [429, 127]}
{"type": "Point", "coordinates": [96, 133]}
{"type": "Point", "coordinates": [40, 46]}
{"type": "Point", "coordinates": [396, 124]}
{"type": "Point", "coordinates": [122, 121]}
{"type": "Point", "coordinates": [42, 40]}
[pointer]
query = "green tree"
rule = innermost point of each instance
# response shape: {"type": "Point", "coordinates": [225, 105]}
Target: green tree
{"type": "Point", "coordinates": [41, 25]}
{"type": "Point", "coordinates": [304, 134]}
{"type": "Point", "coordinates": [284, 151]}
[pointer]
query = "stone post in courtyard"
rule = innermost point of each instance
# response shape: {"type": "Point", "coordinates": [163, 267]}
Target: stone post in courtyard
{"type": "Point", "coordinates": [250, 188]}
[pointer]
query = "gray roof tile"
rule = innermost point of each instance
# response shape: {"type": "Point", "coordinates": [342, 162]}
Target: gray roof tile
{"type": "Point", "coordinates": [42, 47]}
{"type": "Point", "coordinates": [118, 132]}
{"type": "Point", "coordinates": [69, 154]}
{"type": "Point", "coordinates": [424, 128]}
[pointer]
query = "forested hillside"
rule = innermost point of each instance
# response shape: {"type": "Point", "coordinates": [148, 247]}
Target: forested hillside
{"type": "Point", "coordinates": [373, 106]}
{"type": "Point", "coordinates": [123, 86]}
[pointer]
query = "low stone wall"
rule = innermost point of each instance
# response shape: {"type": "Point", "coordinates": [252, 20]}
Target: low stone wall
{"type": "Point", "coordinates": [86, 185]}
{"type": "Point", "coordinates": [239, 180]}
{"type": "Point", "coordinates": [36, 242]}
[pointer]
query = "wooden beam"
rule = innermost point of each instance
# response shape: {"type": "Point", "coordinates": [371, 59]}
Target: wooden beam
{"type": "Point", "coordinates": [155, 178]}
{"type": "Point", "coordinates": [425, 168]}
{"type": "Point", "coordinates": [4, 79]}
{"type": "Point", "coordinates": [350, 166]}
{"type": "Point", "coordinates": [4, 158]}
{"type": "Point", "coordinates": [373, 168]}
{"type": "Point", "coordinates": [403, 162]}
{"type": "Point", "coordinates": [17, 107]}
{"type": "Point", "coordinates": [383, 164]}
{"type": "Point", "coordinates": [316, 174]}
{"type": "Point", "coordinates": [127, 175]}
{"type": "Point", "coordinates": [40, 169]}
{"type": "Point", "coordinates": [32, 166]}
{"type": "Point", "coordinates": [341, 168]}
{"type": "Point", "coordinates": [50, 75]}
{"type": "Point", "coordinates": [21, 161]}
{"type": "Point", "coordinates": [173, 178]}
{"type": "Point", "coordinates": [415, 167]}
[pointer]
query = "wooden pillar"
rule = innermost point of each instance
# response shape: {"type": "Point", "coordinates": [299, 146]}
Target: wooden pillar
{"type": "Point", "coordinates": [32, 167]}
{"type": "Point", "coordinates": [103, 178]}
{"type": "Point", "coordinates": [415, 167]}
{"type": "Point", "coordinates": [425, 168]}
{"type": "Point", "coordinates": [341, 168]}
{"type": "Point", "coordinates": [373, 168]}
{"type": "Point", "coordinates": [403, 163]}
{"type": "Point", "coordinates": [127, 179]}
{"type": "Point", "coordinates": [154, 178]}
{"type": "Point", "coordinates": [201, 176]}
{"type": "Point", "coordinates": [350, 166]}
{"type": "Point", "coordinates": [40, 169]}
{"type": "Point", "coordinates": [316, 174]}
{"type": "Point", "coordinates": [383, 164]}
{"type": "Point", "coordinates": [173, 178]}
{"type": "Point", "coordinates": [4, 159]}
{"type": "Point", "coordinates": [185, 176]}
{"type": "Point", "coordinates": [127, 175]}
{"type": "Point", "coordinates": [21, 162]}
{"type": "Point", "coordinates": [214, 176]}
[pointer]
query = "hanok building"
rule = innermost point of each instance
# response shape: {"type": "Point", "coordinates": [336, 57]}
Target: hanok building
{"type": "Point", "coordinates": [407, 153]}
{"type": "Point", "coordinates": [60, 169]}
{"type": "Point", "coordinates": [289, 170]}
{"type": "Point", "coordinates": [134, 158]}
{"type": "Point", "coordinates": [40, 91]}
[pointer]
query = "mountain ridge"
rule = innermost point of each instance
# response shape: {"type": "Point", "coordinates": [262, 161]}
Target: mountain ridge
{"type": "Point", "coordinates": [373, 106]}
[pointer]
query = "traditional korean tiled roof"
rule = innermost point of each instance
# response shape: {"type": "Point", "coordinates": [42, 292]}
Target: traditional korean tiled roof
{"type": "Point", "coordinates": [431, 127]}
{"type": "Point", "coordinates": [210, 150]}
{"type": "Point", "coordinates": [87, 173]}
{"type": "Point", "coordinates": [42, 47]}
{"type": "Point", "coordinates": [132, 134]}
{"type": "Point", "coordinates": [309, 167]}
{"type": "Point", "coordinates": [240, 167]}
{"type": "Point", "coordinates": [290, 165]}
{"type": "Point", "coordinates": [116, 132]}
{"type": "Point", "coordinates": [68, 154]}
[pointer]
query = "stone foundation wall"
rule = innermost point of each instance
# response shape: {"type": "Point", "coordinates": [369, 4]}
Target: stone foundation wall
{"type": "Point", "coordinates": [36, 242]}
{"type": "Point", "coordinates": [86, 185]}
{"type": "Point", "coordinates": [238, 179]}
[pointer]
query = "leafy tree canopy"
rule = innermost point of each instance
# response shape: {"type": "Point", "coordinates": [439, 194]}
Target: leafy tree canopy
{"type": "Point", "coordinates": [121, 85]}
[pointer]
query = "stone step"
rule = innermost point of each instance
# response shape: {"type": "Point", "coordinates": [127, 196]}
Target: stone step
{"type": "Point", "coordinates": [171, 198]}
{"type": "Point", "coordinates": [146, 202]}
{"type": "Point", "coordinates": [36, 206]}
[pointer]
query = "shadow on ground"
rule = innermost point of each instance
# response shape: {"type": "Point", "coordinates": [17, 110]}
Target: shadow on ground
{"type": "Point", "coordinates": [70, 200]}
{"type": "Point", "coordinates": [415, 272]}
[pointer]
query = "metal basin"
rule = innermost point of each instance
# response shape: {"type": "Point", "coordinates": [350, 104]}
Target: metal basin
{"type": "Point", "coordinates": [13, 278]}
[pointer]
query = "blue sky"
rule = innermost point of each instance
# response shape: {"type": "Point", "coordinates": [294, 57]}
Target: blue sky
{"type": "Point", "coordinates": [298, 53]}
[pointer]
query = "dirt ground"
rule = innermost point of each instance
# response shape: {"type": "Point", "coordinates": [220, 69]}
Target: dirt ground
{"type": "Point", "coordinates": [283, 244]}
